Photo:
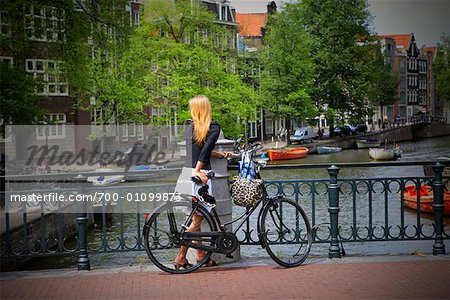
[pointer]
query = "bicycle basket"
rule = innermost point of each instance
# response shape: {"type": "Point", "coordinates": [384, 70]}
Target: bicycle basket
{"type": "Point", "coordinates": [246, 192]}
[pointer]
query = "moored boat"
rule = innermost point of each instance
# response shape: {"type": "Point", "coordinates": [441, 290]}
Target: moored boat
{"type": "Point", "coordinates": [384, 154]}
{"type": "Point", "coordinates": [326, 149]}
{"type": "Point", "coordinates": [146, 172]}
{"type": "Point", "coordinates": [103, 180]}
{"type": "Point", "coordinates": [426, 199]}
{"type": "Point", "coordinates": [367, 143]}
{"type": "Point", "coordinates": [262, 157]}
{"type": "Point", "coordinates": [287, 154]}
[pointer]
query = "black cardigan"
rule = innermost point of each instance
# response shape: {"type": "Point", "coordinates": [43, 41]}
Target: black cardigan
{"type": "Point", "coordinates": [195, 152]}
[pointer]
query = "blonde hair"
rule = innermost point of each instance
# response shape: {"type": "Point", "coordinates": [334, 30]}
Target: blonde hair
{"type": "Point", "coordinates": [200, 108]}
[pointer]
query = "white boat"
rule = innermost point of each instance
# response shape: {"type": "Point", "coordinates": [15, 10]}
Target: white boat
{"type": "Point", "coordinates": [367, 143]}
{"type": "Point", "coordinates": [105, 180]}
{"type": "Point", "coordinates": [326, 149]}
{"type": "Point", "coordinates": [384, 154]}
{"type": "Point", "coordinates": [148, 172]}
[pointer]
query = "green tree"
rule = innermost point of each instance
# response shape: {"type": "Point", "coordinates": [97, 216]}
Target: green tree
{"type": "Point", "coordinates": [340, 29]}
{"type": "Point", "coordinates": [378, 84]}
{"type": "Point", "coordinates": [441, 69]}
{"type": "Point", "coordinates": [288, 68]}
{"type": "Point", "coordinates": [178, 52]}
{"type": "Point", "coordinates": [18, 99]}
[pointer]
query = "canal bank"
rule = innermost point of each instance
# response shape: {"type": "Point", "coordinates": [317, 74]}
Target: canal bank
{"type": "Point", "coordinates": [413, 132]}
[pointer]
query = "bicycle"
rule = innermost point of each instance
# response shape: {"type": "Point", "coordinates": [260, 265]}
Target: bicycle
{"type": "Point", "coordinates": [166, 229]}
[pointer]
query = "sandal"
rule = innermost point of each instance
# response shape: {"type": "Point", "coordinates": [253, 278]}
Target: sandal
{"type": "Point", "coordinates": [209, 263]}
{"type": "Point", "coordinates": [185, 266]}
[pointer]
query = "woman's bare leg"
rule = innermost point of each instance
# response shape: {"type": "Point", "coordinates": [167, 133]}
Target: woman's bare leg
{"type": "Point", "coordinates": [196, 225]}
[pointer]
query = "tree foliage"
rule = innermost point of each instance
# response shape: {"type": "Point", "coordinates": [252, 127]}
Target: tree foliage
{"type": "Point", "coordinates": [288, 68]}
{"type": "Point", "coordinates": [322, 52]}
{"type": "Point", "coordinates": [441, 69]}
{"type": "Point", "coordinates": [178, 52]}
{"type": "Point", "coordinates": [18, 100]}
{"type": "Point", "coordinates": [348, 68]}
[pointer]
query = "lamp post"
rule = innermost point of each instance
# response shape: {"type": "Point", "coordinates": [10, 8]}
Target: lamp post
{"type": "Point", "coordinates": [46, 131]}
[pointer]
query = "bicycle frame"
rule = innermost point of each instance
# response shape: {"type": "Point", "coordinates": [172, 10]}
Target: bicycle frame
{"type": "Point", "coordinates": [222, 227]}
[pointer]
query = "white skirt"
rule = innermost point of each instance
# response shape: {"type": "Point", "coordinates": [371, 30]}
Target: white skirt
{"type": "Point", "coordinates": [186, 186]}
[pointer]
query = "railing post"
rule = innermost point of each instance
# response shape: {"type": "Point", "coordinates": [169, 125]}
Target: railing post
{"type": "Point", "coordinates": [333, 199]}
{"type": "Point", "coordinates": [83, 261]}
{"type": "Point", "coordinates": [438, 207]}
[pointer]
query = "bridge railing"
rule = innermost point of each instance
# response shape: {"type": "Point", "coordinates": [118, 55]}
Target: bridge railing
{"type": "Point", "coordinates": [355, 210]}
{"type": "Point", "coordinates": [344, 210]}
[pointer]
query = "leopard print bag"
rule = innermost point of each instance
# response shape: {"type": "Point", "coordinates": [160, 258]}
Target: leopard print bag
{"type": "Point", "coordinates": [246, 192]}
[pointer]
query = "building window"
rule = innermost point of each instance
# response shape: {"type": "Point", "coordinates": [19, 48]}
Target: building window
{"type": "Point", "coordinates": [140, 131]}
{"type": "Point", "coordinates": [5, 23]}
{"type": "Point", "coordinates": [252, 129]}
{"type": "Point", "coordinates": [132, 130]}
{"type": "Point", "coordinates": [390, 112]}
{"type": "Point", "coordinates": [223, 13]}
{"type": "Point", "coordinates": [8, 133]}
{"type": "Point", "coordinates": [44, 23]}
{"type": "Point", "coordinates": [7, 60]}
{"type": "Point", "coordinates": [402, 97]}
{"type": "Point", "coordinates": [155, 111]}
{"type": "Point", "coordinates": [402, 67]}
{"type": "Point", "coordinates": [403, 111]}
{"type": "Point", "coordinates": [56, 129]}
{"type": "Point", "coordinates": [97, 116]}
{"type": "Point", "coordinates": [205, 35]}
{"type": "Point", "coordinates": [124, 132]}
{"type": "Point", "coordinates": [187, 37]}
{"type": "Point", "coordinates": [269, 126]}
{"type": "Point", "coordinates": [51, 76]}
{"type": "Point", "coordinates": [136, 18]}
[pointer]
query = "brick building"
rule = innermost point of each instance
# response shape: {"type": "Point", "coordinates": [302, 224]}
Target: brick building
{"type": "Point", "coordinates": [413, 69]}
{"type": "Point", "coordinates": [45, 27]}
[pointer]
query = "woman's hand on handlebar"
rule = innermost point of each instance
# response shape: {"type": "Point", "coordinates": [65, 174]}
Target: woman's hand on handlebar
{"type": "Point", "coordinates": [201, 175]}
{"type": "Point", "coordinates": [222, 154]}
{"type": "Point", "coordinates": [226, 154]}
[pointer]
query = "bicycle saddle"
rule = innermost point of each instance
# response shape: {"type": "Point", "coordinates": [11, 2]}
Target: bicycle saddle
{"type": "Point", "coordinates": [198, 180]}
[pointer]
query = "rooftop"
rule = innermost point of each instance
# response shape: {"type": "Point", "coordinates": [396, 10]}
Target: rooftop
{"type": "Point", "coordinates": [401, 40]}
{"type": "Point", "coordinates": [250, 24]}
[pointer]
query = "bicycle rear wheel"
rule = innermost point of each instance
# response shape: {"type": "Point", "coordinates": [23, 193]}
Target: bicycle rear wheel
{"type": "Point", "coordinates": [286, 232]}
{"type": "Point", "coordinates": [162, 234]}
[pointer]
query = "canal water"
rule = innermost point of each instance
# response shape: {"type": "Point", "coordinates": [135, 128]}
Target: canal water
{"type": "Point", "coordinates": [423, 150]}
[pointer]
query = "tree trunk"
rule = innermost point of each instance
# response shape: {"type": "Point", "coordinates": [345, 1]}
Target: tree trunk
{"type": "Point", "coordinates": [331, 126]}
{"type": "Point", "coordinates": [288, 130]}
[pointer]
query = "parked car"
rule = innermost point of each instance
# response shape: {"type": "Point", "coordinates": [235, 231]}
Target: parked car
{"type": "Point", "coordinates": [303, 135]}
{"type": "Point", "coordinates": [345, 130]}
{"type": "Point", "coordinates": [361, 128]}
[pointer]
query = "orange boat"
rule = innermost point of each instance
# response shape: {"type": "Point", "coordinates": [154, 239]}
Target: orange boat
{"type": "Point", "coordinates": [426, 199]}
{"type": "Point", "coordinates": [287, 154]}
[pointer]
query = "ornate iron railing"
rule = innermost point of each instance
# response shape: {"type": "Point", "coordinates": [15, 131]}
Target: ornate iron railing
{"type": "Point", "coordinates": [343, 210]}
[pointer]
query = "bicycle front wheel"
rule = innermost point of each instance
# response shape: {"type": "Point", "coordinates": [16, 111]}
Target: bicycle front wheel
{"type": "Point", "coordinates": [163, 232]}
{"type": "Point", "coordinates": [286, 232]}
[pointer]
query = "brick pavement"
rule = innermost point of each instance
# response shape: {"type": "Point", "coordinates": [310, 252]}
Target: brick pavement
{"type": "Point", "coordinates": [407, 279]}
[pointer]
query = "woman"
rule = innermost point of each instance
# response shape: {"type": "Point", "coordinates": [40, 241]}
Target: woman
{"type": "Point", "coordinates": [201, 136]}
